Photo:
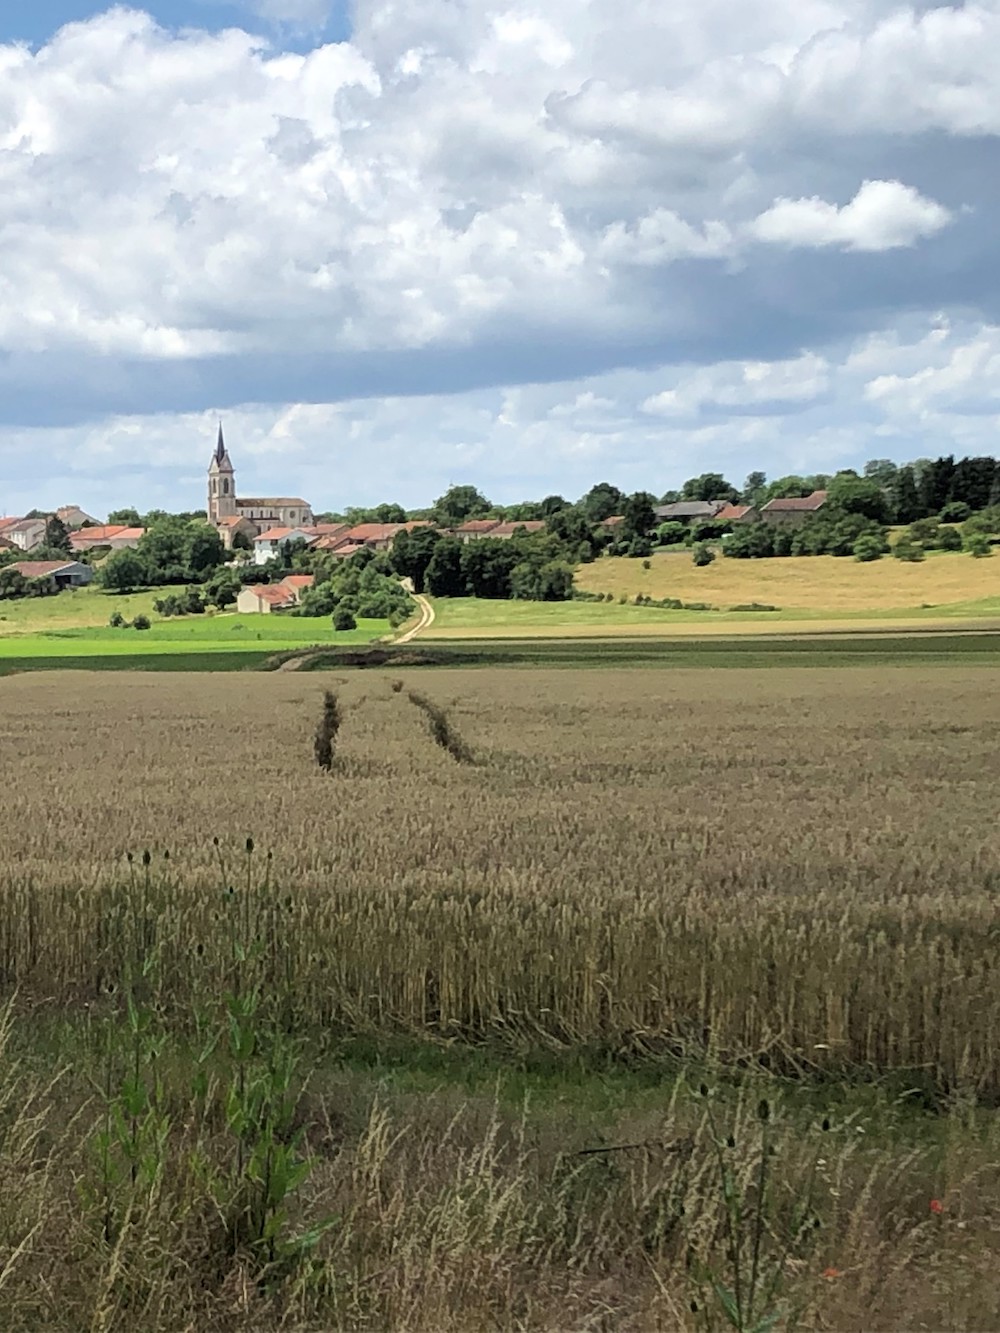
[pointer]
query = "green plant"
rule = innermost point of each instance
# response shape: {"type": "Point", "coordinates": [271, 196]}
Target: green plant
{"type": "Point", "coordinates": [702, 555]}
{"type": "Point", "coordinates": [867, 548]}
{"type": "Point", "coordinates": [978, 545]}
{"type": "Point", "coordinates": [141, 622]}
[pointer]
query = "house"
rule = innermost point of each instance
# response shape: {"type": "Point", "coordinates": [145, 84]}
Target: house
{"type": "Point", "coordinates": [612, 524]}
{"type": "Point", "coordinates": [504, 531]}
{"type": "Point", "coordinates": [689, 511]}
{"type": "Point", "coordinates": [793, 510]}
{"type": "Point", "coordinates": [261, 513]}
{"type": "Point", "coordinates": [116, 535]}
{"type": "Point", "coordinates": [732, 513]}
{"type": "Point", "coordinates": [24, 533]}
{"type": "Point", "coordinates": [270, 542]}
{"type": "Point", "coordinates": [74, 517]}
{"type": "Point", "coordinates": [62, 573]}
{"type": "Point", "coordinates": [263, 598]}
{"type": "Point", "coordinates": [475, 528]}
{"type": "Point", "coordinates": [338, 547]}
{"type": "Point", "coordinates": [5, 545]}
{"type": "Point", "coordinates": [380, 536]}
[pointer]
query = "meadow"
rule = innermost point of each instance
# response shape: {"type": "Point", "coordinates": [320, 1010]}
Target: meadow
{"type": "Point", "coordinates": [74, 625]}
{"type": "Point", "coordinates": [642, 999]}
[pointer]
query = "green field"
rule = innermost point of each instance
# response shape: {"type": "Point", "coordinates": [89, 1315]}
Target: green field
{"type": "Point", "coordinates": [74, 626]}
{"type": "Point", "coordinates": [469, 617]}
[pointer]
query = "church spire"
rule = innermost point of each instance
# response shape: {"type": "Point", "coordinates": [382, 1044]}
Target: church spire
{"type": "Point", "coordinates": [220, 448]}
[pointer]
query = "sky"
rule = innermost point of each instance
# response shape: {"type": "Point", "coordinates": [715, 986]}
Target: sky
{"type": "Point", "coordinates": [528, 244]}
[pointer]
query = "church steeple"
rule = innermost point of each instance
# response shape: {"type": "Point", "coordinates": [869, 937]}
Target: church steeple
{"type": "Point", "coordinates": [221, 483]}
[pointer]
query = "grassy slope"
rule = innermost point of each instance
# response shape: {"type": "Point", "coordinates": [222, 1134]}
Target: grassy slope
{"type": "Point", "coordinates": [812, 593]}
{"type": "Point", "coordinates": [808, 585]}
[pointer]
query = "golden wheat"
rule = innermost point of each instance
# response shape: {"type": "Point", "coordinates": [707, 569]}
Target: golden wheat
{"type": "Point", "coordinates": [794, 863]}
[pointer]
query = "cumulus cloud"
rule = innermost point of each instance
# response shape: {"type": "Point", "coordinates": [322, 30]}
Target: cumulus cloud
{"type": "Point", "coordinates": [481, 196]}
{"type": "Point", "coordinates": [883, 215]}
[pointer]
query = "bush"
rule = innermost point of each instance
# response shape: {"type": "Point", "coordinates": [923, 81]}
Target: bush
{"type": "Point", "coordinates": [343, 619]}
{"type": "Point", "coordinates": [956, 511]}
{"type": "Point", "coordinates": [117, 620]}
{"type": "Point", "coordinates": [978, 545]}
{"type": "Point", "coordinates": [949, 539]}
{"type": "Point", "coordinates": [671, 533]}
{"type": "Point", "coordinates": [702, 555]}
{"type": "Point", "coordinates": [141, 622]}
{"type": "Point", "coordinates": [905, 549]}
{"type": "Point", "coordinates": [867, 548]}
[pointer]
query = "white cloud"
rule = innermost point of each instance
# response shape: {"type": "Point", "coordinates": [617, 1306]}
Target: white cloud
{"type": "Point", "coordinates": [488, 193]}
{"type": "Point", "coordinates": [883, 215]}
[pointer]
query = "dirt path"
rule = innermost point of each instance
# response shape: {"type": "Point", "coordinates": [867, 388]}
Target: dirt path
{"type": "Point", "coordinates": [426, 617]}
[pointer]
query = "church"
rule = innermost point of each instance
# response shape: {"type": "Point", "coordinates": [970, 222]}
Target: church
{"type": "Point", "coordinates": [247, 519]}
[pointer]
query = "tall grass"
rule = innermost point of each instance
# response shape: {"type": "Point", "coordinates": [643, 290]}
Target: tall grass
{"type": "Point", "coordinates": [674, 874]}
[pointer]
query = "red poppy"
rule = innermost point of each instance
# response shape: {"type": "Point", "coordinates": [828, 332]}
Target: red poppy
{"type": "Point", "coordinates": [831, 1273]}
{"type": "Point", "coordinates": [937, 1206]}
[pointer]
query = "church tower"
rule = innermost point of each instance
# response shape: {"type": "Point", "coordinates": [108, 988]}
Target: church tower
{"type": "Point", "coordinates": [221, 483]}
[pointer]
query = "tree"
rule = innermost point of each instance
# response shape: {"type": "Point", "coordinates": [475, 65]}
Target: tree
{"type": "Point", "coordinates": [882, 471]}
{"type": "Point", "coordinates": [639, 515]}
{"type": "Point", "coordinates": [702, 555]}
{"type": "Point", "coordinates": [956, 511]}
{"type": "Point", "coordinates": [934, 484]}
{"type": "Point", "coordinates": [141, 622]}
{"type": "Point", "coordinates": [904, 499]}
{"type": "Point", "coordinates": [57, 535]}
{"type": "Point", "coordinates": [223, 588]}
{"type": "Point", "coordinates": [552, 505]}
{"type": "Point", "coordinates": [949, 539]}
{"type": "Point", "coordinates": [671, 533]}
{"type": "Point", "coordinates": [487, 566]}
{"type": "Point", "coordinates": [856, 495]}
{"type": "Point", "coordinates": [548, 582]}
{"type": "Point", "coordinates": [444, 576]}
{"type": "Point", "coordinates": [972, 482]}
{"type": "Point", "coordinates": [709, 486]}
{"type": "Point", "coordinates": [128, 518]}
{"type": "Point", "coordinates": [203, 549]}
{"type": "Point", "coordinates": [343, 619]}
{"type": "Point", "coordinates": [123, 571]}
{"type": "Point", "coordinates": [753, 487]}
{"type": "Point", "coordinates": [600, 502]}
{"type": "Point", "coordinates": [412, 553]}
{"type": "Point", "coordinates": [458, 504]}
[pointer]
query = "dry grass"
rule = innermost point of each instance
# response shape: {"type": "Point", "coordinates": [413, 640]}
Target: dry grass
{"type": "Point", "coordinates": [823, 584]}
{"type": "Point", "coordinates": [798, 867]}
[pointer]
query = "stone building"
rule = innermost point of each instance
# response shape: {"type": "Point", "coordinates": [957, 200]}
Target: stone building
{"type": "Point", "coordinates": [233, 515]}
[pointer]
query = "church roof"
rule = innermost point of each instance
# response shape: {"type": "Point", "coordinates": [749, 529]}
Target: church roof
{"type": "Point", "coordinates": [275, 501]}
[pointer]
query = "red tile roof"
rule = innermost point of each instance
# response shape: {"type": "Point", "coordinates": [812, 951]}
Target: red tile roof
{"type": "Point", "coordinates": [798, 502]}
{"type": "Point", "coordinates": [729, 513]}
{"type": "Point", "coordinates": [380, 532]}
{"type": "Point", "coordinates": [273, 593]}
{"type": "Point", "coordinates": [298, 581]}
{"type": "Point", "coordinates": [508, 529]}
{"type": "Point", "coordinates": [99, 535]}
{"type": "Point", "coordinates": [474, 525]}
{"type": "Point", "coordinates": [282, 534]}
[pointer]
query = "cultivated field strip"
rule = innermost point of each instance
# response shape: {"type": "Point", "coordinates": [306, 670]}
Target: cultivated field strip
{"type": "Point", "coordinates": [798, 863]}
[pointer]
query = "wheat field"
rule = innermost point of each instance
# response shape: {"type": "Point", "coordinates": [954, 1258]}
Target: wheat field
{"type": "Point", "coordinates": [690, 977]}
{"type": "Point", "coordinates": [798, 862]}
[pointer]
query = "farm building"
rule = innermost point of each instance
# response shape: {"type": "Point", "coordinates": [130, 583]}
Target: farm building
{"type": "Point", "coordinates": [263, 598]}
{"type": "Point", "coordinates": [793, 510]}
{"type": "Point", "coordinates": [62, 573]}
{"type": "Point", "coordinates": [688, 511]}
